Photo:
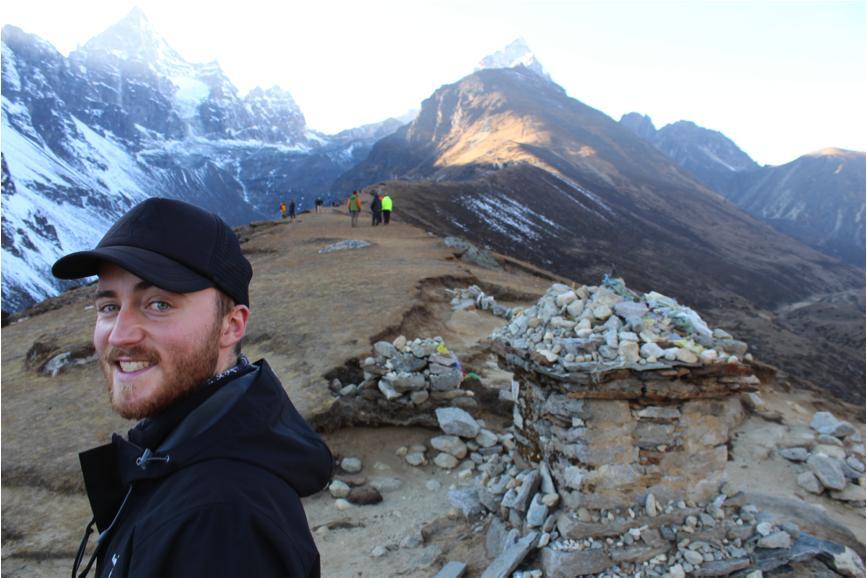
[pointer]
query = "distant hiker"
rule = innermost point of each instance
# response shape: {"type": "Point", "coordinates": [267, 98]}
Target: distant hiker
{"type": "Point", "coordinates": [354, 207]}
{"type": "Point", "coordinates": [376, 208]}
{"type": "Point", "coordinates": [209, 482]}
{"type": "Point", "coordinates": [282, 210]}
{"type": "Point", "coordinates": [292, 211]}
{"type": "Point", "coordinates": [317, 204]}
{"type": "Point", "coordinates": [386, 208]}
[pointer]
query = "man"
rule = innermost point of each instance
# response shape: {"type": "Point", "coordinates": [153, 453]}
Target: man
{"type": "Point", "coordinates": [387, 205]}
{"type": "Point", "coordinates": [375, 208]}
{"type": "Point", "coordinates": [354, 207]}
{"type": "Point", "coordinates": [208, 482]}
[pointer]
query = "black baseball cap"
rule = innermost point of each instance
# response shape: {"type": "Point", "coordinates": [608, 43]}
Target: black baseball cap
{"type": "Point", "coordinates": [172, 244]}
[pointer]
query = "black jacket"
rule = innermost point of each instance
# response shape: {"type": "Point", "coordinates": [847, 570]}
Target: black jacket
{"type": "Point", "coordinates": [210, 487]}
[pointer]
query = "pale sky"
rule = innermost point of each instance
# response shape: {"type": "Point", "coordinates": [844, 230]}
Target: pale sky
{"type": "Point", "coordinates": [780, 78]}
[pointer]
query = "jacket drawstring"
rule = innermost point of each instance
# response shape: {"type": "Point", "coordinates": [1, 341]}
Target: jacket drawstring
{"type": "Point", "coordinates": [79, 556]}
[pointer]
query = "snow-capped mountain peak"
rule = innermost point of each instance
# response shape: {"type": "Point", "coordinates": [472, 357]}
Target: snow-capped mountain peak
{"type": "Point", "coordinates": [517, 53]}
{"type": "Point", "coordinates": [133, 38]}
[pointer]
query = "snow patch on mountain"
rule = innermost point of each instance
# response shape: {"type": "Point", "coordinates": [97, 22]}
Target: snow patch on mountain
{"type": "Point", "coordinates": [509, 217]}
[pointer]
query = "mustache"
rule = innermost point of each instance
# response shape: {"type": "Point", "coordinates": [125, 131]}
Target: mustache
{"type": "Point", "coordinates": [114, 354]}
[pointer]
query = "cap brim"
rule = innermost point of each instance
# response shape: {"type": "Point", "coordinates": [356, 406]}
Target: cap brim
{"type": "Point", "coordinates": [151, 267]}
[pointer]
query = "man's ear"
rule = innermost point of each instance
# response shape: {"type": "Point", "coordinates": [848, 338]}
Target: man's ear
{"type": "Point", "coordinates": [234, 326]}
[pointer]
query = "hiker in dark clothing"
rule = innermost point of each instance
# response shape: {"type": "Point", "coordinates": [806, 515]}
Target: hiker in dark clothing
{"type": "Point", "coordinates": [209, 482]}
{"type": "Point", "coordinates": [376, 208]}
{"type": "Point", "coordinates": [292, 211]}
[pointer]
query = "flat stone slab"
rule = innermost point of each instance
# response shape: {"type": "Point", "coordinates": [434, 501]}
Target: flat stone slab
{"type": "Point", "coordinates": [568, 564]}
{"type": "Point", "coordinates": [452, 570]}
{"type": "Point", "coordinates": [505, 563]}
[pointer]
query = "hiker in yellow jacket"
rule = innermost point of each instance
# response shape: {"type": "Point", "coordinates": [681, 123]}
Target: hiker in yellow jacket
{"type": "Point", "coordinates": [354, 206]}
{"type": "Point", "coordinates": [386, 208]}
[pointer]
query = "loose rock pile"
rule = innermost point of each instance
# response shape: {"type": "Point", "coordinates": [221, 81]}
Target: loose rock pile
{"type": "Point", "coordinates": [421, 373]}
{"type": "Point", "coordinates": [529, 524]}
{"type": "Point", "coordinates": [473, 296]}
{"type": "Point", "coordinates": [834, 460]}
{"type": "Point", "coordinates": [606, 327]}
{"type": "Point", "coordinates": [344, 246]}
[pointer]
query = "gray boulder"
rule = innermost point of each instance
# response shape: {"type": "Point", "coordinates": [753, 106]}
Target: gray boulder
{"type": "Point", "coordinates": [829, 471]}
{"type": "Point", "coordinates": [455, 421]}
{"type": "Point", "coordinates": [824, 422]}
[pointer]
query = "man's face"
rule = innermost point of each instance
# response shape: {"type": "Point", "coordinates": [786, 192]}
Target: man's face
{"type": "Point", "coordinates": [154, 345]}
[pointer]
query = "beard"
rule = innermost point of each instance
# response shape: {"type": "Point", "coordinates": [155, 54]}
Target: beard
{"type": "Point", "coordinates": [182, 372]}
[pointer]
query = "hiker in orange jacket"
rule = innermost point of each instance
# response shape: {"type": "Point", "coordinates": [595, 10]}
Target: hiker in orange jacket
{"type": "Point", "coordinates": [354, 207]}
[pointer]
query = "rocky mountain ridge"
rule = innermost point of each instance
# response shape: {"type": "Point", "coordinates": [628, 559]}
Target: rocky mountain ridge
{"type": "Point", "coordinates": [818, 202]}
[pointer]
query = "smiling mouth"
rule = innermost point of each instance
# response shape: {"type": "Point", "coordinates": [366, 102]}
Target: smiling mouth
{"type": "Point", "coordinates": [133, 366]}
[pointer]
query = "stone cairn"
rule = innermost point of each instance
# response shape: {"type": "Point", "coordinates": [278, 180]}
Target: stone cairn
{"type": "Point", "coordinates": [419, 375]}
{"type": "Point", "coordinates": [623, 396]}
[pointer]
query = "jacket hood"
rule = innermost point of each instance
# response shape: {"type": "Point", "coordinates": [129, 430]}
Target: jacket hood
{"type": "Point", "coordinates": [249, 419]}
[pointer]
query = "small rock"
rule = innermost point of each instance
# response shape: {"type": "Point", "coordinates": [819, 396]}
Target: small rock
{"type": "Point", "coordinates": [351, 465]}
{"type": "Point", "coordinates": [810, 482]}
{"type": "Point", "coordinates": [385, 349]}
{"type": "Point", "coordinates": [342, 504]}
{"type": "Point", "coordinates": [364, 496]}
{"type": "Point", "coordinates": [432, 485]}
{"type": "Point", "coordinates": [829, 471]}
{"type": "Point", "coordinates": [338, 489]}
{"type": "Point", "coordinates": [855, 464]}
{"type": "Point", "coordinates": [486, 438]}
{"type": "Point", "coordinates": [415, 459]}
{"type": "Point", "coordinates": [775, 540]}
{"type": "Point", "coordinates": [795, 454]}
{"type": "Point", "coordinates": [828, 440]}
{"type": "Point", "coordinates": [551, 500]}
{"type": "Point", "coordinates": [693, 557]}
{"type": "Point", "coordinates": [650, 506]}
{"type": "Point", "coordinates": [467, 500]}
{"type": "Point", "coordinates": [686, 356]}
{"type": "Point", "coordinates": [378, 552]}
{"type": "Point", "coordinates": [451, 445]}
{"type": "Point", "coordinates": [446, 461]}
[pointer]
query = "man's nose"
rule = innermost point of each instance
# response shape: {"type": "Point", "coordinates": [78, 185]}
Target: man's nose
{"type": "Point", "coordinates": [127, 328]}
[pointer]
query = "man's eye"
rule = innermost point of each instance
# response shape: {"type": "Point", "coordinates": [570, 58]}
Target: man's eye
{"type": "Point", "coordinates": [160, 306]}
{"type": "Point", "coordinates": [107, 308]}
